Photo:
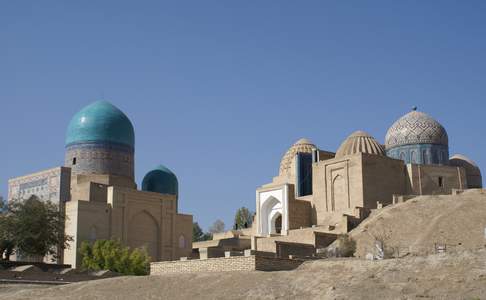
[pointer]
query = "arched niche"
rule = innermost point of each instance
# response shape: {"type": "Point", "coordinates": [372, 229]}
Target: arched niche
{"type": "Point", "coordinates": [143, 232]}
{"type": "Point", "coordinates": [270, 207]}
{"type": "Point", "coordinates": [339, 197]}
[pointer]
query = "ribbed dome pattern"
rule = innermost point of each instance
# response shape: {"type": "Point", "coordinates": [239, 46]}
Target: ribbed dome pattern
{"type": "Point", "coordinates": [360, 142]}
{"type": "Point", "coordinates": [301, 146]}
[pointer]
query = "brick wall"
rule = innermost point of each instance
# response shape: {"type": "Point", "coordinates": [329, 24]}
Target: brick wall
{"type": "Point", "coordinates": [303, 236]}
{"type": "Point", "coordinates": [284, 249]}
{"type": "Point", "coordinates": [223, 264]}
{"type": "Point", "coordinates": [301, 214]}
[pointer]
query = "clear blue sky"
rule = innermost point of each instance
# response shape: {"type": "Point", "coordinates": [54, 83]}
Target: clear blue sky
{"type": "Point", "coordinates": [218, 91]}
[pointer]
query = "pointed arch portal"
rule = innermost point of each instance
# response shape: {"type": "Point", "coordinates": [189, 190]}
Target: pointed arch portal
{"type": "Point", "coordinates": [143, 231]}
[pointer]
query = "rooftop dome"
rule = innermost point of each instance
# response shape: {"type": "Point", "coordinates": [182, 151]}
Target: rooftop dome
{"type": "Point", "coordinates": [161, 180]}
{"type": "Point", "coordinates": [360, 142]}
{"type": "Point", "coordinates": [301, 146]}
{"type": "Point", "coordinates": [100, 121]}
{"type": "Point", "coordinates": [416, 128]}
{"type": "Point", "coordinates": [473, 173]}
{"type": "Point", "coordinates": [465, 159]}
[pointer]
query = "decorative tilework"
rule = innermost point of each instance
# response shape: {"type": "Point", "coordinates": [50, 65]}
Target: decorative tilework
{"type": "Point", "coordinates": [424, 154]}
{"type": "Point", "coordinates": [52, 184]}
{"type": "Point", "coordinates": [301, 146]}
{"type": "Point", "coordinates": [416, 128]}
{"type": "Point", "coordinates": [100, 158]}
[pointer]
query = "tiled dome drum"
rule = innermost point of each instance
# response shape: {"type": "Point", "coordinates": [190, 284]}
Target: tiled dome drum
{"type": "Point", "coordinates": [418, 138]}
{"type": "Point", "coordinates": [100, 140]}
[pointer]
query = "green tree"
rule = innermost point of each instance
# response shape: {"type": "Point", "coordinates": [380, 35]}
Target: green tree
{"type": "Point", "coordinates": [243, 218]}
{"type": "Point", "coordinates": [7, 243]}
{"type": "Point", "coordinates": [112, 255]}
{"type": "Point", "coordinates": [198, 234]}
{"type": "Point", "coordinates": [3, 205]}
{"type": "Point", "coordinates": [37, 227]}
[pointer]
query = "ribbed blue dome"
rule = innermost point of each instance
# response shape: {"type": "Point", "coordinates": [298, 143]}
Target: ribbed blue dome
{"type": "Point", "coordinates": [100, 121]}
{"type": "Point", "coordinates": [161, 180]}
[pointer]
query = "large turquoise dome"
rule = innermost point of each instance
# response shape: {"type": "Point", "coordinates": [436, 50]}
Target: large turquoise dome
{"type": "Point", "coordinates": [100, 121]}
{"type": "Point", "coordinates": [161, 180]}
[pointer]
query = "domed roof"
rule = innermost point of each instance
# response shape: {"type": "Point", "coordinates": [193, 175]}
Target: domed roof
{"type": "Point", "coordinates": [473, 173]}
{"type": "Point", "coordinates": [464, 158]}
{"type": "Point", "coordinates": [460, 160]}
{"type": "Point", "coordinates": [161, 180]}
{"type": "Point", "coordinates": [301, 146]}
{"type": "Point", "coordinates": [416, 128]}
{"type": "Point", "coordinates": [100, 121]}
{"type": "Point", "coordinates": [360, 142]}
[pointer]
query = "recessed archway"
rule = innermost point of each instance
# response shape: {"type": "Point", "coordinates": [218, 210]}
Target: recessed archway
{"type": "Point", "coordinates": [271, 208]}
{"type": "Point", "coordinates": [276, 224]}
{"type": "Point", "coordinates": [143, 232]}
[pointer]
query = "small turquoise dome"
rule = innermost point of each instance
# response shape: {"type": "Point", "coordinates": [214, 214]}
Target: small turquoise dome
{"type": "Point", "coordinates": [100, 121]}
{"type": "Point", "coordinates": [161, 180]}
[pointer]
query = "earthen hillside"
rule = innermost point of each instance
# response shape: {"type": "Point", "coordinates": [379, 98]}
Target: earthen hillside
{"type": "Point", "coordinates": [442, 276]}
{"type": "Point", "coordinates": [420, 224]}
{"type": "Point", "coordinates": [460, 273]}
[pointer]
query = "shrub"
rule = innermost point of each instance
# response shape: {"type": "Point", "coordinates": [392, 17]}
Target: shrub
{"type": "Point", "coordinates": [346, 246]}
{"type": "Point", "coordinates": [112, 255]}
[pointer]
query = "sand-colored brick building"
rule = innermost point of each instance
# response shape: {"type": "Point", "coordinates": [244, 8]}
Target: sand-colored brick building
{"type": "Point", "coordinates": [321, 192]}
{"type": "Point", "coordinates": [97, 190]}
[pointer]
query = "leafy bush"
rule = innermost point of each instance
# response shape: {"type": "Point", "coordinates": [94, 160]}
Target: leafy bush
{"type": "Point", "coordinates": [346, 246]}
{"type": "Point", "coordinates": [112, 255]}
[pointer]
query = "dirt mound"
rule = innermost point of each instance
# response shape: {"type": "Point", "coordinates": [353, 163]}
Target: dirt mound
{"type": "Point", "coordinates": [421, 223]}
{"type": "Point", "coordinates": [415, 225]}
{"type": "Point", "coordinates": [443, 276]}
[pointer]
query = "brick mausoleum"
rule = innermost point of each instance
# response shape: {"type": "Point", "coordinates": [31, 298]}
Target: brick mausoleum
{"type": "Point", "coordinates": [97, 190]}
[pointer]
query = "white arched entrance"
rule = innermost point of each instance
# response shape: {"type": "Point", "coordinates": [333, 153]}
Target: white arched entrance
{"type": "Point", "coordinates": [272, 215]}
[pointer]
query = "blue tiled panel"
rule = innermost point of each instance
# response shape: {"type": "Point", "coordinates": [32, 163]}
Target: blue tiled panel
{"type": "Point", "coordinates": [421, 154]}
{"type": "Point", "coordinates": [100, 158]}
{"type": "Point", "coordinates": [304, 174]}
